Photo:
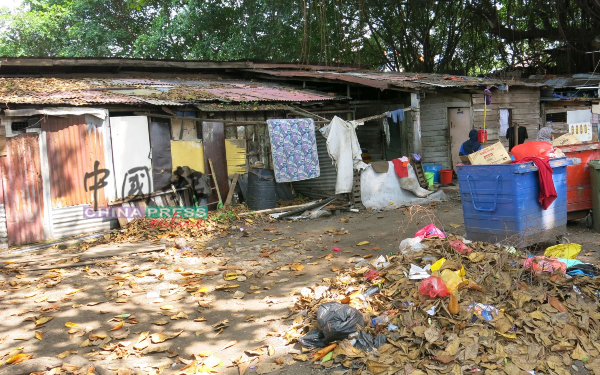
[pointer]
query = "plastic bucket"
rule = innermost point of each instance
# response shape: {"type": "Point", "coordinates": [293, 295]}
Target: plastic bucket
{"type": "Point", "coordinates": [429, 177]}
{"type": "Point", "coordinates": [445, 176]}
{"type": "Point", "coordinates": [433, 168]}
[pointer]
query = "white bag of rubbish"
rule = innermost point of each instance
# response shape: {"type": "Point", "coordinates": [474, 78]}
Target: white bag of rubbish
{"type": "Point", "coordinates": [412, 244]}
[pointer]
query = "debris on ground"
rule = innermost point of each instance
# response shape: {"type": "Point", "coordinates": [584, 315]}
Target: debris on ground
{"type": "Point", "coordinates": [478, 310]}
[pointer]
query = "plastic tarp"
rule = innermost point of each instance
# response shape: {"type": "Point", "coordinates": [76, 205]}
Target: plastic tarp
{"type": "Point", "coordinates": [57, 111]}
{"type": "Point", "coordinates": [383, 191]}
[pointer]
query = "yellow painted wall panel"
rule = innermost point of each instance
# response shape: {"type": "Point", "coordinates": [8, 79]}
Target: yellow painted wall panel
{"type": "Point", "coordinates": [188, 154]}
{"type": "Point", "coordinates": [236, 156]}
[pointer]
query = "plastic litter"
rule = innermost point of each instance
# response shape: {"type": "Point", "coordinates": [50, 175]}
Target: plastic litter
{"type": "Point", "coordinates": [460, 247]}
{"type": "Point", "coordinates": [153, 294]}
{"type": "Point", "coordinates": [480, 310]}
{"type": "Point", "coordinates": [438, 264]}
{"type": "Point", "coordinates": [433, 287]}
{"type": "Point", "coordinates": [545, 264]}
{"type": "Point", "coordinates": [392, 327]}
{"type": "Point", "coordinates": [371, 291]}
{"type": "Point", "coordinates": [567, 251]}
{"type": "Point", "coordinates": [432, 310]}
{"type": "Point", "coordinates": [313, 339]}
{"type": "Point", "coordinates": [371, 274]}
{"type": "Point", "coordinates": [418, 273]}
{"type": "Point", "coordinates": [583, 270]}
{"type": "Point", "coordinates": [429, 231]}
{"type": "Point", "coordinates": [337, 249]}
{"type": "Point", "coordinates": [451, 279]}
{"type": "Point", "coordinates": [337, 321]}
{"type": "Point", "coordinates": [320, 291]}
{"type": "Point", "coordinates": [380, 262]}
{"type": "Point", "coordinates": [411, 244]}
{"type": "Point", "coordinates": [380, 320]}
{"type": "Point", "coordinates": [365, 341]}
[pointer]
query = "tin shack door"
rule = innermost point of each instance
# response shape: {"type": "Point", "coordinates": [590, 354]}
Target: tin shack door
{"type": "Point", "coordinates": [213, 136]}
{"type": "Point", "coordinates": [22, 179]}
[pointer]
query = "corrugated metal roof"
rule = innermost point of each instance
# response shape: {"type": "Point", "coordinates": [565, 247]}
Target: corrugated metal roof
{"type": "Point", "coordinates": [386, 80]}
{"type": "Point", "coordinates": [86, 91]}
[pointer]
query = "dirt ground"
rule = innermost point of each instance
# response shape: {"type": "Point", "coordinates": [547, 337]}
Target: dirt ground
{"type": "Point", "coordinates": [182, 293]}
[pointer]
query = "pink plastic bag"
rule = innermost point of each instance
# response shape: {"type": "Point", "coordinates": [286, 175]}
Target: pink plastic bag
{"type": "Point", "coordinates": [433, 287]}
{"type": "Point", "coordinates": [537, 149]}
{"type": "Point", "coordinates": [460, 247]}
{"type": "Point", "coordinates": [429, 231]}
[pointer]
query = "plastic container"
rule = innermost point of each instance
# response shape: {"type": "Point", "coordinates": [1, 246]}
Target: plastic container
{"type": "Point", "coordinates": [380, 320]}
{"type": "Point", "coordinates": [430, 179]}
{"type": "Point", "coordinates": [595, 180]}
{"type": "Point", "coordinates": [500, 203]}
{"type": "Point", "coordinates": [371, 291]}
{"type": "Point", "coordinates": [579, 184]}
{"type": "Point", "coordinates": [435, 169]}
{"type": "Point", "coordinates": [446, 176]}
{"type": "Point", "coordinates": [482, 136]}
{"type": "Point", "coordinates": [262, 194]}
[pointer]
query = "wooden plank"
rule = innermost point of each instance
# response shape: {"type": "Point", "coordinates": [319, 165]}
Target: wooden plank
{"type": "Point", "coordinates": [212, 171]}
{"type": "Point", "coordinates": [232, 189]}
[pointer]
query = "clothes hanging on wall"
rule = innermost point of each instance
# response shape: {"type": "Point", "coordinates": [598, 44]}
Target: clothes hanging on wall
{"type": "Point", "coordinates": [294, 149]}
{"type": "Point", "coordinates": [344, 150]}
{"type": "Point", "coordinates": [397, 115]}
{"type": "Point", "coordinates": [510, 135]}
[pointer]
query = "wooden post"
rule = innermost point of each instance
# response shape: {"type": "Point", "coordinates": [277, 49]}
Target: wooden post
{"type": "Point", "coordinates": [415, 104]}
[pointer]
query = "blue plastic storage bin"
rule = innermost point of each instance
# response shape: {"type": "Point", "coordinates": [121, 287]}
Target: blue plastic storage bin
{"type": "Point", "coordinates": [500, 203]}
{"type": "Point", "coordinates": [435, 169]}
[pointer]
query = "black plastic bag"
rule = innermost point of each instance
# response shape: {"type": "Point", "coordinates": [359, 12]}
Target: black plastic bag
{"type": "Point", "coordinates": [337, 321]}
{"type": "Point", "coordinates": [365, 341]}
{"type": "Point", "coordinates": [313, 339]}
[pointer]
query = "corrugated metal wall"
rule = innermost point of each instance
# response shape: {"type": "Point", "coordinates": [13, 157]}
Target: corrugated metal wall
{"type": "Point", "coordinates": [324, 185]}
{"type": "Point", "coordinates": [69, 221]}
{"type": "Point", "coordinates": [22, 179]}
{"type": "Point", "coordinates": [73, 148]}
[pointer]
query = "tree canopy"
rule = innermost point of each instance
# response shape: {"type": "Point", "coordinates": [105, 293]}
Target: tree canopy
{"type": "Point", "coordinates": [455, 36]}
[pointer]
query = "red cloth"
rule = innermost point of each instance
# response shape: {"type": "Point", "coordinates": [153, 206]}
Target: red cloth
{"type": "Point", "coordinates": [401, 170]}
{"type": "Point", "coordinates": [547, 189]}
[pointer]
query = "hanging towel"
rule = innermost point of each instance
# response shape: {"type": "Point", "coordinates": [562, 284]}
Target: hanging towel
{"type": "Point", "coordinates": [547, 189]}
{"type": "Point", "coordinates": [386, 131]}
{"type": "Point", "coordinates": [294, 148]}
{"type": "Point", "coordinates": [398, 115]}
{"type": "Point", "coordinates": [400, 168]}
{"type": "Point", "coordinates": [344, 150]}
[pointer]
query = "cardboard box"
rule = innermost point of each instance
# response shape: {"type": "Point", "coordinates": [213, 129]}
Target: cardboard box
{"type": "Point", "coordinates": [566, 139]}
{"type": "Point", "coordinates": [494, 154]}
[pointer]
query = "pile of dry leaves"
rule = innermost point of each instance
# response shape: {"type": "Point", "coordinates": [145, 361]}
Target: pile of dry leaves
{"type": "Point", "coordinates": [539, 323]}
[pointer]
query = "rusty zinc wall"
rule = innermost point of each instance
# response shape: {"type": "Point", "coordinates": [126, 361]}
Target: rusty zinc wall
{"type": "Point", "coordinates": [73, 147]}
{"type": "Point", "coordinates": [22, 180]}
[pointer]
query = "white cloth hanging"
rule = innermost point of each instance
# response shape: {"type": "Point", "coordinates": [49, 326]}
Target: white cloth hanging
{"type": "Point", "coordinates": [344, 150]}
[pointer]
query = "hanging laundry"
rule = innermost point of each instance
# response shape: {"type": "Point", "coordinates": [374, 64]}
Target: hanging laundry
{"type": "Point", "coordinates": [386, 131]}
{"type": "Point", "coordinates": [400, 166]}
{"type": "Point", "coordinates": [397, 115]}
{"type": "Point", "coordinates": [547, 189]}
{"type": "Point", "coordinates": [294, 148]}
{"type": "Point", "coordinates": [344, 150]}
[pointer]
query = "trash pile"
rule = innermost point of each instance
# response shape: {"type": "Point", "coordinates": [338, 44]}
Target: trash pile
{"type": "Point", "coordinates": [222, 222]}
{"type": "Point", "coordinates": [447, 305]}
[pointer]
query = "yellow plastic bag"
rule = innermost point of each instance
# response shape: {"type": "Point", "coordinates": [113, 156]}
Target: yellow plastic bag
{"type": "Point", "coordinates": [438, 264]}
{"type": "Point", "coordinates": [567, 251]}
{"type": "Point", "coordinates": [452, 280]}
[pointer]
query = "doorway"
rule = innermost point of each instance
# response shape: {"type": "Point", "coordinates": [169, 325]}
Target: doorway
{"type": "Point", "coordinates": [459, 123]}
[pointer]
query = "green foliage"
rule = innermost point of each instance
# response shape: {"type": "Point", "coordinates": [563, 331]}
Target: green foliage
{"type": "Point", "coordinates": [459, 36]}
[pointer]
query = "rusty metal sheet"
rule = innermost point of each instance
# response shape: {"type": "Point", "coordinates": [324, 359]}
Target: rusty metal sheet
{"type": "Point", "coordinates": [22, 179]}
{"type": "Point", "coordinates": [73, 148]}
{"type": "Point", "coordinates": [162, 163]}
{"type": "Point", "coordinates": [249, 94]}
{"type": "Point", "coordinates": [213, 137]}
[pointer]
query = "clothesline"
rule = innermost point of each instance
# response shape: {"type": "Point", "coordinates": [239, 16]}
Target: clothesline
{"type": "Point", "coordinates": [385, 114]}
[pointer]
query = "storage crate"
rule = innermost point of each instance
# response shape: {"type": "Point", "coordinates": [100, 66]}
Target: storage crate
{"type": "Point", "coordinates": [500, 203]}
{"type": "Point", "coordinates": [579, 186]}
